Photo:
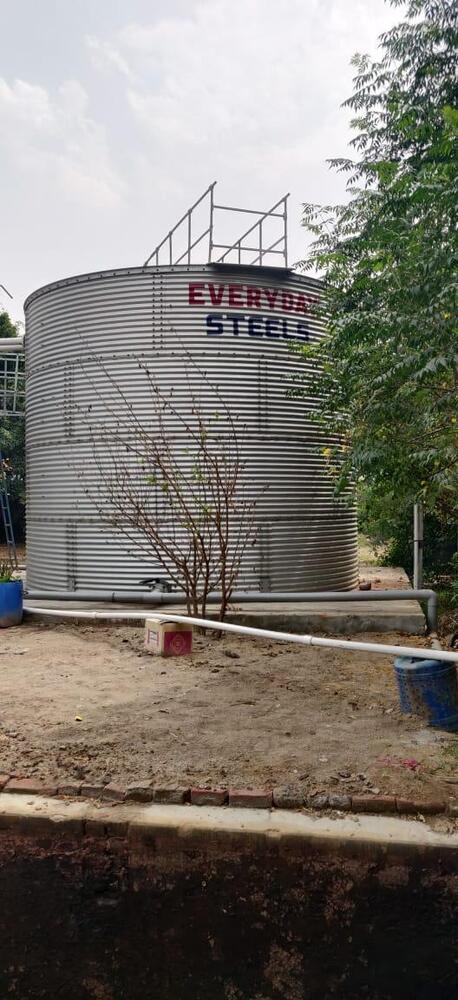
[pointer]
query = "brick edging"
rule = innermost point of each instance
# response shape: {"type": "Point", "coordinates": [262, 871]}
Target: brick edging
{"type": "Point", "coordinates": [257, 798]}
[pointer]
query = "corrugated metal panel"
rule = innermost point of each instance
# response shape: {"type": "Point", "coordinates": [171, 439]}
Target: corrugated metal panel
{"type": "Point", "coordinates": [85, 339]}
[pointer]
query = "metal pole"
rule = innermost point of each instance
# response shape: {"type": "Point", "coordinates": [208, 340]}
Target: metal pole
{"type": "Point", "coordinates": [210, 242]}
{"type": "Point", "coordinates": [6, 516]}
{"type": "Point", "coordinates": [285, 223]}
{"type": "Point", "coordinates": [417, 546]}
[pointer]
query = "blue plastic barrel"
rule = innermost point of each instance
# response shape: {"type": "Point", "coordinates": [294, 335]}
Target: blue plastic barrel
{"type": "Point", "coordinates": [10, 603]}
{"type": "Point", "coordinates": [428, 688]}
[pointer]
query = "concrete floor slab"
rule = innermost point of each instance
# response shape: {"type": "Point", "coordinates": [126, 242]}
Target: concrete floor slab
{"type": "Point", "coordinates": [405, 617]}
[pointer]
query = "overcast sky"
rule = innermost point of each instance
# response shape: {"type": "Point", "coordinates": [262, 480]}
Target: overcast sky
{"type": "Point", "coordinates": [116, 114]}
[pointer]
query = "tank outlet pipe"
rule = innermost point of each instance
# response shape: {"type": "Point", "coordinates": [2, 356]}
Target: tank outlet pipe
{"type": "Point", "coordinates": [155, 597]}
{"type": "Point", "coordinates": [305, 640]}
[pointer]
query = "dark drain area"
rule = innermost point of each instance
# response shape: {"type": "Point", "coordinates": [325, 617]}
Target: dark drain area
{"type": "Point", "coordinates": [222, 919]}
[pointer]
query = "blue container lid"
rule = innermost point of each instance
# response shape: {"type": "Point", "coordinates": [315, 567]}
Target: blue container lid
{"type": "Point", "coordinates": [407, 664]}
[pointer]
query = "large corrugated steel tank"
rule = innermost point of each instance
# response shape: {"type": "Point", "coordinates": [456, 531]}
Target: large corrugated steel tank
{"type": "Point", "coordinates": [87, 334]}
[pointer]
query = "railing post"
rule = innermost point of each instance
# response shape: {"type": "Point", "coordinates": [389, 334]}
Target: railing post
{"type": "Point", "coordinates": [285, 223]}
{"type": "Point", "coordinates": [417, 546]}
{"type": "Point", "coordinates": [260, 242]}
{"type": "Point", "coordinates": [189, 237]}
{"type": "Point", "coordinates": [210, 235]}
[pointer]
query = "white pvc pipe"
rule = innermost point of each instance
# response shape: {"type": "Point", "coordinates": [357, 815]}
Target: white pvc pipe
{"type": "Point", "coordinates": [262, 633]}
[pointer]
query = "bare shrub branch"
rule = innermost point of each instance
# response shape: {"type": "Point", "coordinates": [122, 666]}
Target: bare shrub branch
{"type": "Point", "coordinates": [176, 486]}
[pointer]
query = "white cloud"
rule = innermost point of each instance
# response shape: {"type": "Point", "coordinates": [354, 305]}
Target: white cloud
{"type": "Point", "coordinates": [96, 166]}
{"type": "Point", "coordinates": [55, 137]}
{"type": "Point", "coordinates": [106, 57]}
{"type": "Point", "coordinates": [262, 70]}
{"type": "Point", "coordinates": [245, 91]}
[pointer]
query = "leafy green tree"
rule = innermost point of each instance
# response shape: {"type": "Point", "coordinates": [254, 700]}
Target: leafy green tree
{"type": "Point", "coordinates": [387, 377]}
{"type": "Point", "coordinates": [7, 327]}
{"type": "Point", "coordinates": [389, 527]}
{"type": "Point", "coordinates": [12, 447]}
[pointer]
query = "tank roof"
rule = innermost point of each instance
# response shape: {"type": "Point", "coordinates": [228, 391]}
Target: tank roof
{"type": "Point", "coordinates": [272, 273]}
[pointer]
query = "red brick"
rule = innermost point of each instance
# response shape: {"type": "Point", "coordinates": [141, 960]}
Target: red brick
{"type": "Point", "coordinates": [319, 801]}
{"type": "Point", "coordinates": [139, 793]}
{"type": "Point", "coordinates": [114, 792]}
{"type": "Point", "coordinates": [340, 802]}
{"type": "Point", "coordinates": [92, 791]}
{"type": "Point", "coordinates": [208, 796]}
{"type": "Point", "coordinates": [406, 806]}
{"type": "Point", "coordinates": [3, 780]}
{"type": "Point", "coordinates": [171, 796]}
{"type": "Point", "coordinates": [70, 789]}
{"type": "Point", "coordinates": [433, 806]}
{"type": "Point", "coordinates": [288, 797]}
{"type": "Point", "coordinates": [249, 798]}
{"type": "Point", "coordinates": [414, 806]}
{"type": "Point", "coordinates": [373, 803]}
{"type": "Point", "coordinates": [29, 786]}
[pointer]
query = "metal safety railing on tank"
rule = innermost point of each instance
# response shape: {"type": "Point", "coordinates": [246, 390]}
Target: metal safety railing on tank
{"type": "Point", "coordinates": [12, 405]}
{"type": "Point", "coordinates": [12, 387]}
{"type": "Point", "coordinates": [258, 244]}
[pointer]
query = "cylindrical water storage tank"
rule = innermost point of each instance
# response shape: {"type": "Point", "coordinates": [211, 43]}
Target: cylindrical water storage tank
{"type": "Point", "coordinates": [87, 335]}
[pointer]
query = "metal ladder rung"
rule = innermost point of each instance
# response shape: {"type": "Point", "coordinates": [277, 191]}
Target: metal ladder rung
{"type": "Point", "coordinates": [6, 516]}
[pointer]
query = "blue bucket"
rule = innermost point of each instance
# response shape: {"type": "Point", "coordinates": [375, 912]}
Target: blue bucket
{"type": "Point", "coordinates": [10, 603]}
{"type": "Point", "coordinates": [428, 688]}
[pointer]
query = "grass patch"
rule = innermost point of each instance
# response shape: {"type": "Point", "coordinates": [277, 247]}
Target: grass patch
{"type": "Point", "coordinates": [452, 750]}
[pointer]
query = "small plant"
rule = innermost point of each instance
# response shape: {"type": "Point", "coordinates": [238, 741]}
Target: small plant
{"type": "Point", "coordinates": [175, 486]}
{"type": "Point", "coordinates": [6, 572]}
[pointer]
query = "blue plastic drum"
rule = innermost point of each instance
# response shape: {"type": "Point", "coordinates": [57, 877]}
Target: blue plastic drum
{"type": "Point", "coordinates": [428, 688]}
{"type": "Point", "coordinates": [10, 603]}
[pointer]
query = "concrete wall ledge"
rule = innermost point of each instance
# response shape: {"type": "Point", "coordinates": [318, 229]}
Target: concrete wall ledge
{"type": "Point", "coordinates": [210, 827]}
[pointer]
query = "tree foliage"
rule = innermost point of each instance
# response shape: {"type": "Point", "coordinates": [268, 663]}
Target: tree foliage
{"type": "Point", "coordinates": [7, 327]}
{"type": "Point", "coordinates": [390, 530]}
{"type": "Point", "coordinates": [389, 377]}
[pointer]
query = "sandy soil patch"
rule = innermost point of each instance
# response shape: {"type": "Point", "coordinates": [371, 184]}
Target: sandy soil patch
{"type": "Point", "coordinates": [238, 712]}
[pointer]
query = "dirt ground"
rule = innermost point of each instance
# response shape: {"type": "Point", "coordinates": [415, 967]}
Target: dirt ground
{"type": "Point", "coordinates": [20, 552]}
{"type": "Point", "coordinates": [238, 712]}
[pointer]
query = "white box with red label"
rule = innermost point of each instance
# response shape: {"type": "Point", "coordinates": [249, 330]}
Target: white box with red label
{"type": "Point", "coordinates": [167, 638]}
